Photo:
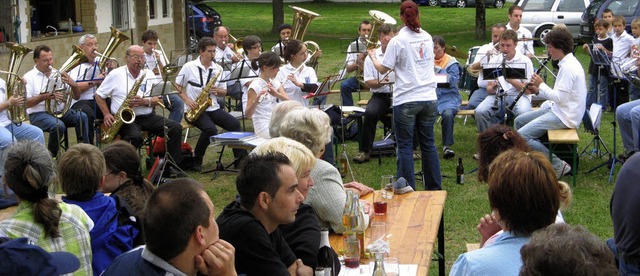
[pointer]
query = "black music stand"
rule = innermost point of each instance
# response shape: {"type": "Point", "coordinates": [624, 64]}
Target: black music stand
{"type": "Point", "coordinates": [618, 77]}
{"type": "Point", "coordinates": [501, 72]}
{"type": "Point", "coordinates": [240, 70]}
{"type": "Point", "coordinates": [592, 124]}
{"type": "Point", "coordinates": [160, 88]}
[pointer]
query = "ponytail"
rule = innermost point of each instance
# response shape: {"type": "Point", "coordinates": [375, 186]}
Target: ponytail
{"type": "Point", "coordinates": [410, 15]}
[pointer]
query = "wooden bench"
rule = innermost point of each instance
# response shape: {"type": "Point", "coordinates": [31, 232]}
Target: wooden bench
{"type": "Point", "coordinates": [568, 136]}
{"type": "Point", "coordinates": [466, 113]}
{"type": "Point", "coordinates": [363, 103]}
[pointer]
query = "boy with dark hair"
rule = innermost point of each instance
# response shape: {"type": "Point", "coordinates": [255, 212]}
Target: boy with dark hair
{"type": "Point", "coordinates": [284, 31]}
{"type": "Point", "coordinates": [598, 75]}
{"type": "Point", "coordinates": [607, 15]}
{"type": "Point", "coordinates": [267, 185]}
{"type": "Point", "coordinates": [81, 170]}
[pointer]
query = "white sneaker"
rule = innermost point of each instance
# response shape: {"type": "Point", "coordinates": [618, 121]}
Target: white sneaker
{"type": "Point", "coordinates": [566, 168]}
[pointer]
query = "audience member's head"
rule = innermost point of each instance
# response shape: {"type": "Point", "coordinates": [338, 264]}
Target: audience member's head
{"type": "Point", "coordinates": [523, 191]}
{"type": "Point", "coordinates": [301, 157]}
{"type": "Point", "coordinates": [80, 171]}
{"type": "Point", "coordinates": [561, 39]}
{"type": "Point", "coordinates": [279, 111]}
{"type": "Point", "coordinates": [29, 170]}
{"type": "Point", "coordinates": [562, 249]}
{"type": "Point", "coordinates": [21, 257]}
{"type": "Point", "coordinates": [122, 163]}
{"type": "Point", "coordinates": [494, 141]}
{"type": "Point", "coordinates": [179, 218]}
{"type": "Point", "coordinates": [311, 127]}
{"type": "Point", "coordinates": [267, 185]}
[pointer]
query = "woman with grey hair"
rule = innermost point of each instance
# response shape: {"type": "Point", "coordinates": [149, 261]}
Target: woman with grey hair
{"type": "Point", "coordinates": [279, 111]}
{"type": "Point", "coordinates": [52, 225]}
{"type": "Point", "coordinates": [327, 197]}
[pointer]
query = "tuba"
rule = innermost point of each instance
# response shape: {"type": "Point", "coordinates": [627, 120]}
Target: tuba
{"type": "Point", "coordinates": [301, 20]}
{"type": "Point", "coordinates": [124, 115]}
{"type": "Point", "coordinates": [203, 99]}
{"type": "Point", "coordinates": [116, 38]}
{"type": "Point", "coordinates": [379, 18]}
{"type": "Point", "coordinates": [15, 87]}
{"type": "Point", "coordinates": [51, 105]}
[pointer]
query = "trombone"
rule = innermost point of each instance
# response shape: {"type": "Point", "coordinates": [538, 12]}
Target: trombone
{"type": "Point", "coordinates": [237, 44]}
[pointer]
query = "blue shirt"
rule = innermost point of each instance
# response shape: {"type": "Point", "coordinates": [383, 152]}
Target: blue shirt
{"type": "Point", "coordinates": [499, 258]}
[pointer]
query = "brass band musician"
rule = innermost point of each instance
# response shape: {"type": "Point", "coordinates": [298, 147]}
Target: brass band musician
{"type": "Point", "coordinates": [38, 81]}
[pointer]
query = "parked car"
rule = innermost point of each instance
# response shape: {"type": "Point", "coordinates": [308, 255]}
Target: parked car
{"type": "Point", "coordinates": [539, 16]}
{"type": "Point", "coordinates": [470, 3]}
{"type": "Point", "coordinates": [630, 9]}
{"type": "Point", "coordinates": [202, 20]}
{"type": "Point", "coordinates": [426, 2]}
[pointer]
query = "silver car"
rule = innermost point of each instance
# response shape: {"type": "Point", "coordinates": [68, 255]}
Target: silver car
{"type": "Point", "coordinates": [540, 16]}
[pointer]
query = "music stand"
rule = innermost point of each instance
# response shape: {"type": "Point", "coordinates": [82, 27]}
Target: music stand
{"type": "Point", "coordinates": [159, 87]}
{"type": "Point", "coordinates": [324, 88]}
{"type": "Point", "coordinates": [592, 124]}
{"type": "Point", "coordinates": [501, 72]}
{"type": "Point", "coordinates": [618, 76]}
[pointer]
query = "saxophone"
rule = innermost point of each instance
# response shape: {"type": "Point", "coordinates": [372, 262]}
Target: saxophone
{"type": "Point", "coordinates": [203, 100]}
{"type": "Point", "coordinates": [124, 115]}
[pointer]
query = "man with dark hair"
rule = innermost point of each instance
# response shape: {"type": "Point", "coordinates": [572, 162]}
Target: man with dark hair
{"type": "Point", "coordinates": [525, 39]}
{"type": "Point", "coordinates": [42, 84]}
{"type": "Point", "coordinates": [156, 60]}
{"type": "Point", "coordinates": [284, 31]}
{"type": "Point", "coordinates": [268, 197]}
{"type": "Point", "coordinates": [563, 249]}
{"type": "Point", "coordinates": [483, 56]}
{"type": "Point", "coordinates": [181, 236]}
{"type": "Point", "coordinates": [565, 103]}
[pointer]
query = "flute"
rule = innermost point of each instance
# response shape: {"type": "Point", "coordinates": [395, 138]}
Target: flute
{"type": "Point", "coordinates": [265, 94]}
{"type": "Point", "coordinates": [513, 104]}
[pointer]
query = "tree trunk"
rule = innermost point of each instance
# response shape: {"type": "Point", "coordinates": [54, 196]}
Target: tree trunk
{"type": "Point", "coordinates": [278, 15]}
{"type": "Point", "coordinates": [481, 23]}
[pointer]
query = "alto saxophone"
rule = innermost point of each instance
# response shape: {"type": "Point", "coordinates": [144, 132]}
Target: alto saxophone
{"type": "Point", "coordinates": [203, 100]}
{"type": "Point", "coordinates": [124, 115]}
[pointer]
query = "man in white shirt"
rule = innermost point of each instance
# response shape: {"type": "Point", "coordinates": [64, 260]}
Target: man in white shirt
{"type": "Point", "coordinates": [43, 78]}
{"type": "Point", "coordinates": [565, 103]}
{"type": "Point", "coordinates": [155, 60]}
{"type": "Point", "coordinates": [490, 110]}
{"type": "Point", "coordinates": [525, 39]}
{"type": "Point", "coordinates": [117, 86]}
{"type": "Point", "coordinates": [379, 104]}
{"type": "Point", "coordinates": [191, 80]}
{"type": "Point", "coordinates": [483, 56]}
{"type": "Point", "coordinates": [284, 31]}
{"type": "Point", "coordinates": [356, 52]}
{"type": "Point", "coordinates": [226, 55]}
{"type": "Point", "coordinates": [88, 77]}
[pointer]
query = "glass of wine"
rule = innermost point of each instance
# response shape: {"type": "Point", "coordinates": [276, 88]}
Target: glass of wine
{"type": "Point", "coordinates": [352, 252]}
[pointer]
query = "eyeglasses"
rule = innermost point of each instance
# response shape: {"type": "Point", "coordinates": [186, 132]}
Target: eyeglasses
{"type": "Point", "coordinates": [255, 47]}
{"type": "Point", "coordinates": [136, 57]}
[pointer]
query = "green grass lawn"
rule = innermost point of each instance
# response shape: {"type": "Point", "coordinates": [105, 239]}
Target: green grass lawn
{"type": "Point", "coordinates": [465, 203]}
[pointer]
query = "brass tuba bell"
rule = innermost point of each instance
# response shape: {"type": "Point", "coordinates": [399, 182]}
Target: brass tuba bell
{"type": "Point", "coordinates": [51, 105]}
{"type": "Point", "coordinates": [116, 38]}
{"type": "Point", "coordinates": [18, 114]}
{"type": "Point", "coordinates": [301, 20]}
{"type": "Point", "coordinates": [379, 18]}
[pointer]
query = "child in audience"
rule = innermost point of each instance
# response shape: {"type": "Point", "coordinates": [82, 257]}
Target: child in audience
{"type": "Point", "coordinates": [634, 90]}
{"type": "Point", "coordinates": [54, 226]}
{"type": "Point", "coordinates": [622, 41]}
{"type": "Point", "coordinates": [80, 172]}
{"type": "Point", "coordinates": [607, 15]}
{"type": "Point", "coordinates": [598, 76]}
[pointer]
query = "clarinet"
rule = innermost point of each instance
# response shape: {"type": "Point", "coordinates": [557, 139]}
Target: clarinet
{"type": "Point", "coordinates": [513, 104]}
{"type": "Point", "coordinates": [504, 73]}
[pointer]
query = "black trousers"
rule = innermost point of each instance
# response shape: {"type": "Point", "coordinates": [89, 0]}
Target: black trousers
{"type": "Point", "coordinates": [377, 109]}
{"type": "Point", "coordinates": [207, 122]}
{"type": "Point", "coordinates": [89, 108]}
{"type": "Point", "coordinates": [154, 124]}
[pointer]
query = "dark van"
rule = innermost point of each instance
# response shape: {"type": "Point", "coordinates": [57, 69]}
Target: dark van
{"type": "Point", "coordinates": [630, 9]}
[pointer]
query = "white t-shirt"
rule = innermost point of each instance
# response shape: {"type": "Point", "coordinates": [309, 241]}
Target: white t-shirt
{"type": "Point", "coordinates": [38, 82]}
{"type": "Point", "coordinates": [4, 114]}
{"type": "Point", "coordinates": [262, 114]}
{"type": "Point", "coordinates": [85, 72]}
{"type": "Point", "coordinates": [518, 58]}
{"type": "Point", "coordinates": [483, 58]}
{"type": "Point", "coordinates": [410, 54]}
{"type": "Point", "coordinates": [370, 73]}
{"type": "Point", "coordinates": [524, 47]}
{"type": "Point", "coordinates": [194, 76]}
{"type": "Point", "coordinates": [304, 75]}
{"type": "Point", "coordinates": [224, 56]}
{"type": "Point", "coordinates": [117, 86]}
{"type": "Point", "coordinates": [621, 45]}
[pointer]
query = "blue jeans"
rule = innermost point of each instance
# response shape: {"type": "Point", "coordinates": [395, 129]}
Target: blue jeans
{"type": "Point", "coordinates": [447, 126]}
{"type": "Point", "coordinates": [598, 90]}
{"type": "Point", "coordinates": [486, 116]}
{"type": "Point", "coordinates": [347, 87]}
{"type": "Point", "coordinates": [176, 108]}
{"type": "Point", "coordinates": [623, 267]}
{"type": "Point", "coordinates": [20, 132]}
{"type": "Point", "coordinates": [476, 98]}
{"type": "Point", "coordinates": [533, 125]}
{"type": "Point", "coordinates": [628, 117]}
{"type": "Point", "coordinates": [58, 127]}
{"type": "Point", "coordinates": [419, 117]}
{"type": "Point", "coordinates": [634, 92]}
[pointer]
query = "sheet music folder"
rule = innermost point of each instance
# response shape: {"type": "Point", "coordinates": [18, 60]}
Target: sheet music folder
{"type": "Point", "coordinates": [492, 71]}
{"type": "Point", "coordinates": [324, 87]}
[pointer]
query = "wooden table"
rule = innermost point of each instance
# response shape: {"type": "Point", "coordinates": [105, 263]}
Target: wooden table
{"type": "Point", "coordinates": [414, 220]}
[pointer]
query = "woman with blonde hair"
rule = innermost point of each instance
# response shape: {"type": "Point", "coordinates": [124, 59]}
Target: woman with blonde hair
{"type": "Point", "coordinates": [52, 225]}
{"type": "Point", "coordinates": [327, 197]}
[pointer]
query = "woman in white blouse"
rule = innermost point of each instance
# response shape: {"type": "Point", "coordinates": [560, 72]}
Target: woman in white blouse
{"type": "Point", "coordinates": [297, 78]}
